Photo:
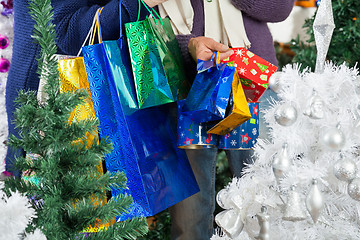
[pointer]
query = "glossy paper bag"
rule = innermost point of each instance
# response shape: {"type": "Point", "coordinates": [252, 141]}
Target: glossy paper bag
{"type": "Point", "coordinates": [238, 111]}
{"type": "Point", "coordinates": [210, 92]}
{"type": "Point", "coordinates": [156, 62]}
{"type": "Point", "coordinates": [193, 135]}
{"type": "Point", "coordinates": [245, 136]}
{"type": "Point", "coordinates": [159, 175]}
{"type": "Point", "coordinates": [254, 72]}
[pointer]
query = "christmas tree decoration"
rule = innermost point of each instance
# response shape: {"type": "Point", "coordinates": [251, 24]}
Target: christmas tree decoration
{"type": "Point", "coordinates": [315, 107]}
{"type": "Point", "coordinates": [345, 169]}
{"type": "Point", "coordinates": [263, 219]}
{"type": "Point", "coordinates": [286, 115]}
{"type": "Point", "coordinates": [323, 30]}
{"type": "Point", "coordinates": [281, 163]}
{"type": "Point", "coordinates": [4, 65]}
{"type": "Point", "coordinates": [314, 201]}
{"type": "Point", "coordinates": [230, 222]}
{"type": "Point", "coordinates": [294, 208]}
{"type": "Point", "coordinates": [4, 42]}
{"type": "Point", "coordinates": [354, 189]}
{"type": "Point", "coordinates": [221, 198]}
{"type": "Point", "coordinates": [274, 82]}
{"type": "Point", "coordinates": [342, 47]}
{"type": "Point", "coordinates": [333, 138]}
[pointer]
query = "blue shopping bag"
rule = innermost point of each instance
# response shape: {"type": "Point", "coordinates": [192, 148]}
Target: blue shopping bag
{"type": "Point", "coordinates": [209, 94]}
{"type": "Point", "coordinates": [244, 136]}
{"type": "Point", "coordinates": [159, 174]}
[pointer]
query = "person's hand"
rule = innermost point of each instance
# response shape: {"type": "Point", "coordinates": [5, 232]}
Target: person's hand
{"type": "Point", "coordinates": [153, 3]}
{"type": "Point", "coordinates": [203, 47]}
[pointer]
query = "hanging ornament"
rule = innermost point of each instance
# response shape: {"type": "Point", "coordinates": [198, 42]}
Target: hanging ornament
{"type": "Point", "coordinates": [230, 222]}
{"type": "Point", "coordinates": [333, 138]}
{"type": "Point", "coordinates": [4, 65]}
{"type": "Point", "coordinates": [221, 198]}
{"type": "Point", "coordinates": [323, 29]}
{"type": "Point", "coordinates": [4, 42]}
{"type": "Point", "coordinates": [294, 209]}
{"type": "Point", "coordinates": [345, 169]}
{"type": "Point", "coordinates": [315, 107]}
{"type": "Point", "coordinates": [281, 163]}
{"type": "Point", "coordinates": [285, 115]}
{"type": "Point", "coordinates": [314, 201]}
{"type": "Point", "coordinates": [263, 219]}
{"type": "Point", "coordinates": [274, 82]}
{"type": "Point", "coordinates": [354, 189]}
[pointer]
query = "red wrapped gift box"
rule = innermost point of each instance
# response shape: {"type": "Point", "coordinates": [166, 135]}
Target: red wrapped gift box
{"type": "Point", "coordinates": [254, 72]}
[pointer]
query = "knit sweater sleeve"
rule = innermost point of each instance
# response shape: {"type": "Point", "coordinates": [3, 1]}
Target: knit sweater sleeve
{"type": "Point", "coordinates": [73, 19]}
{"type": "Point", "coordinates": [190, 64]}
{"type": "Point", "coordinates": [265, 10]}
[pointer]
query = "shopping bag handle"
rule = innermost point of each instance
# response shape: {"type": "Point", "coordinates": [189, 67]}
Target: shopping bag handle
{"type": "Point", "coordinates": [97, 28]}
{"type": "Point", "coordinates": [90, 33]}
{"type": "Point", "coordinates": [151, 11]}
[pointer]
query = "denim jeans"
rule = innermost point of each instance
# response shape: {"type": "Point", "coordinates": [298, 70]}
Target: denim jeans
{"type": "Point", "coordinates": [192, 218]}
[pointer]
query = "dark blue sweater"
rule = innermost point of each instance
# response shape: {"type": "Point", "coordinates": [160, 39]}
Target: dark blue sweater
{"type": "Point", "coordinates": [73, 19]}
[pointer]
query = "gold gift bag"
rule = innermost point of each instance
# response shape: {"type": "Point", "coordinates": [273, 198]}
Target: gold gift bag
{"type": "Point", "coordinates": [240, 112]}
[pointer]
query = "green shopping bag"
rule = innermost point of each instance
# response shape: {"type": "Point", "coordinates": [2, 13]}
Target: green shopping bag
{"type": "Point", "coordinates": [156, 61]}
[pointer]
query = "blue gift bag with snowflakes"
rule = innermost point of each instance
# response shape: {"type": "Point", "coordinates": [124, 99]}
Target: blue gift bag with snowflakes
{"type": "Point", "coordinates": [245, 136]}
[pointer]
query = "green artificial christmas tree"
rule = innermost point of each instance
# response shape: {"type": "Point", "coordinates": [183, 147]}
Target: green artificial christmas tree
{"type": "Point", "coordinates": [70, 188]}
{"type": "Point", "coordinates": [345, 43]}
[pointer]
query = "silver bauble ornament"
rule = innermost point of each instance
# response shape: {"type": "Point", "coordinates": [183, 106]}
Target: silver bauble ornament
{"type": "Point", "coordinates": [315, 108]}
{"type": "Point", "coordinates": [230, 222]}
{"type": "Point", "coordinates": [294, 208]}
{"type": "Point", "coordinates": [354, 189]}
{"type": "Point", "coordinates": [286, 115]}
{"type": "Point", "coordinates": [281, 163]}
{"type": "Point", "coordinates": [263, 219]}
{"type": "Point", "coordinates": [345, 169]}
{"type": "Point", "coordinates": [228, 198]}
{"type": "Point", "coordinates": [314, 201]}
{"type": "Point", "coordinates": [274, 82]}
{"type": "Point", "coordinates": [221, 198]}
{"type": "Point", "coordinates": [333, 138]}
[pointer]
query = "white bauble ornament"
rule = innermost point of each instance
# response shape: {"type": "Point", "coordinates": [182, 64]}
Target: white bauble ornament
{"type": "Point", "coordinates": [315, 108]}
{"type": "Point", "coordinates": [228, 198]}
{"type": "Point", "coordinates": [281, 163]}
{"type": "Point", "coordinates": [314, 201]}
{"type": "Point", "coordinates": [286, 115]}
{"type": "Point", "coordinates": [230, 222]}
{"type": "Point", "coordinates": [274, 82]}
{"type": "Point", "coordinates": [294, 209]}
{"type": "Point", "coordinates": [333, 138]}
{"type": "Point", "coordinates": [354, 189]}
{"type": "Point", "coordinates": [345, 169]}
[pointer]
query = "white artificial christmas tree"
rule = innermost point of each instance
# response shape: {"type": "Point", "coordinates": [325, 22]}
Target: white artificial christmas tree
{"type": "Point", "coordinates": [15, 215]}
{"type": "Point", "coordinates": [305, 183]}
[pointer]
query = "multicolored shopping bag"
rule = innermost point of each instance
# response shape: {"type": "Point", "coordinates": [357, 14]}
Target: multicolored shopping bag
{"type": "Point", "coordinates": [254, 72]}
{"type": "Point", "coordinates": [156, 62]}
{"type": "Point", "coordinates": [210, 92]}
{"type": "Point", "coordinates": [158, 173]}
{"type": "Point", "coordinates": [245, 136]}
{"type": "Point", "coordinates": [238, 110]}
{"type": "Point", "coordinates": [191, 134]}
